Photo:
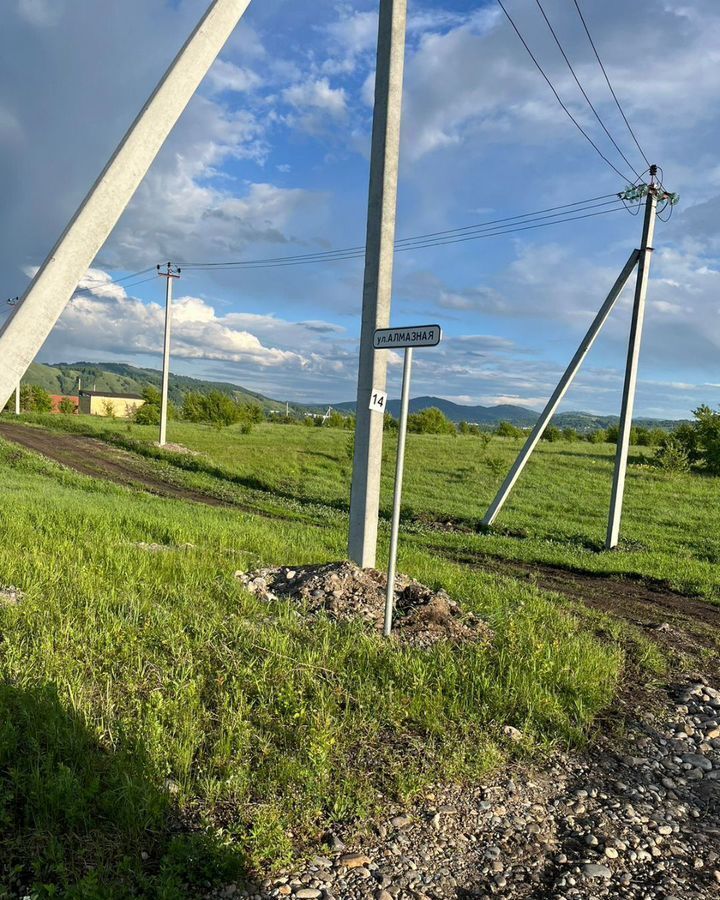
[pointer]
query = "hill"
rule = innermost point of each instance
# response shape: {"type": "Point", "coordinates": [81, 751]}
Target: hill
{"type": "Point", "coordinates": [516, 415]}
{"type": "Point", "coordinates": [63, 378]}
{"type": "Point", "coordinates": [456, 412]}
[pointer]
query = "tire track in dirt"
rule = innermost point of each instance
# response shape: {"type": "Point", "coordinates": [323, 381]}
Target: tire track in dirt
{"type": "Point", "coordinates": [677, 621]}
{"type": "Point", "coordinates": [97, 459]}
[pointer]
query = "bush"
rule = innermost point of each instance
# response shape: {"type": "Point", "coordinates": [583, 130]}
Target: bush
{"type": "Point", "coordinates": [67, 407]}
{"type": "Point", "coordinates": [506, 429]}
{"type": "Point", "coordinates": [552, 434]}
{"type": "Point", "coordinates": [671, 456]}
{"type": "Point", "coordinates": [430, 421]}
{"type": "Point", "coordinates": [701, 439]}
{"type": "Point", "coordinates": [389, 423]}
{"type": "Point", "coordinates": [599, 436]}
{"type": "Point", "coordinates": [213, 408]}
{"type": "Point", "coordinates": [34, 398]}
{"type": "Point", "coordinates": [570, 435]}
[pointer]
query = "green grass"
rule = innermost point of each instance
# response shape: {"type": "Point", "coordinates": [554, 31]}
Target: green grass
{"type": "Point", "coordinates": [557, 513]}
{"type": "Point", "coordinates": [160, 729]}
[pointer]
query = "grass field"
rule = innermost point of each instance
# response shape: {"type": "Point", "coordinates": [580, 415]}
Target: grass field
{"type": "Point", "coordinates": [557, 513]}
{"type": "Point", "coordinates": [160, 729]}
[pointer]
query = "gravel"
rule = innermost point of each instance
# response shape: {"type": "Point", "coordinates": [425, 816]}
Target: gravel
{"type": "Point", "coordinates": [635, 817]}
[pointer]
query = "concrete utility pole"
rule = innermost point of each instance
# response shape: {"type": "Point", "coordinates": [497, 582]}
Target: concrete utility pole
{"type": "Point", "coordinates": [24, 333]}
{"type": "Point", "coordinates": [169, 275]}
{"type": "Point", "coordinates": [631, 370]}
{"type": "Point", "coordinates": [377, 285]}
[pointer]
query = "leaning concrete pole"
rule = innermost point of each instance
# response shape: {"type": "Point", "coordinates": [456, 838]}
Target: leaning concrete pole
{"type": "Point", "coordinates": [24, 333]}
{"type": "Point", "coordinates": [631, 370]}
{"type": "Point", "coordinates": [560, 391]}
{"type": "Point", "coordinates": [377, 285]}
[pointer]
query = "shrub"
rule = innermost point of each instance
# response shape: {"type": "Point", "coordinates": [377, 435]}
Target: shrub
{"type": "Point", "coordinates": [552, 434]}
{"type": "Point", "coordinates": [570, 435]}
{"type": "Point", "coordinates": [34, 398]}
{"type": "Point", "coordinates": [599, 436]}
{"type": "Point", "coordinates": [430, 421]}
{"type": "Point", "coordinates": [506, 429]}
{"type": "Point", "coordinates": [699, 440]}
{"type": "Point", "coordinates": [389, 423]}
{"type": "Point", "coordinates": [67, 407]}
{"type": "Point", "coordinates": [214, 408]}
{"type": "Point", "coordinates": [671, 456]}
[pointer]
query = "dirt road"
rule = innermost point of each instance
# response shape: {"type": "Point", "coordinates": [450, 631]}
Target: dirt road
{"type": "Point", "coordinates": [100, 460]}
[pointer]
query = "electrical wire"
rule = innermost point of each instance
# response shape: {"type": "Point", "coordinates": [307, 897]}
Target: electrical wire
{"type": "Point", "coordinates": [99, 281]}
{"type": "Point", "coordinates": [400, 241]}
{"type": "Point", "coordinates": [329, 254]}
{"type": "Point", "coordinates": [557, 96]}
{"type": "Point", "coordinates": [607, 79]}
{"type": "Point", "coordinates": [582, 89]}
{"type": "Point", "coordinates": [89, 292]}
{"type": "Point", "coordinates": [310, 259]}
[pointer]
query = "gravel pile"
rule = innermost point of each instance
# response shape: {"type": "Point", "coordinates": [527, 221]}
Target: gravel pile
{"type": "Point", "coordinates": [637, 818]}
{"type": "Point", "coordinates": [346, 592]}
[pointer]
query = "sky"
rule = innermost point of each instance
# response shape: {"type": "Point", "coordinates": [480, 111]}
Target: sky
{"type": "Point", "coordinates": [271, 159]}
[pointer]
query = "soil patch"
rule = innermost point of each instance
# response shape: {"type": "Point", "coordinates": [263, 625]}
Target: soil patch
{"type": "Point", "coordinates": [346, 592]}
{"type": "Point", "coordinates": [100, 460]}
{"type": "Point", "coordinates": [675, 620]}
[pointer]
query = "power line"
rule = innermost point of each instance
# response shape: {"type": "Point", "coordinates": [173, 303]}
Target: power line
{"type": "Point", "coordinates": [358, 254]}
{"type": "Point", "coordinates": [607, 79]}
{"type": "Point", "coordinates": [557, 96]}
{"type": "Point", "coordinates": [90, 292]}
{"type": "Point", "coordinates": [582, 89]}
{"type": "Point", "coordinates": [100, 282]}
{"type": "Point", "coordinates": [328, 254]}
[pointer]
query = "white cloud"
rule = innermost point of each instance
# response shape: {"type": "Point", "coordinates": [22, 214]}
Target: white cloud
{"type": "Point", "coordinates": [226, 76]}
{"type": "Point", "coordinates": [41, 12]}
{"type": "Point", "coordinates": [317, 94]}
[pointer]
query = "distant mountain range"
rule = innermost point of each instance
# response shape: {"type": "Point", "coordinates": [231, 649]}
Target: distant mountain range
{"type": "Point", "coordinates": [63, 378]}
{"type": "Point", "coordinates": [516, 415]}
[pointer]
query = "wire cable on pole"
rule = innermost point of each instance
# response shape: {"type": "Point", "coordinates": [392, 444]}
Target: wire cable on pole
{"type": "Point", "coordinates": [406, 240]}
{"type": "Point", "coordinates": [284, 262]}
{"type": "Point", "coordinates": [582, 89]}
{"type": "Point", "coordinates": [557, 96]}
{"type": "Point", "coordinates": [607, 79]}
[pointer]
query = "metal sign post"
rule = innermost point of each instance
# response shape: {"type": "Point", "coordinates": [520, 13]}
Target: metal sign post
{"type": "Point", "coordinates": [395, 339]}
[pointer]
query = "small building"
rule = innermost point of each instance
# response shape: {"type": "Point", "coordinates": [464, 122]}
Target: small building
{"type": "Point", "coordinates": [104, 403]}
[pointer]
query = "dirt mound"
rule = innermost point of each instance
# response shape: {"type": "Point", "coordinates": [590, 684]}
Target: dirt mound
{"type": "Point", "coordinates": [345, 592]}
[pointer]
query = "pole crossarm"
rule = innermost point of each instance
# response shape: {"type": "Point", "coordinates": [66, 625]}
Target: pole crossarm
{"type": "Point", "coordinates": [26, 330]}
{"type": "Point", "coordinates": [561, 390]}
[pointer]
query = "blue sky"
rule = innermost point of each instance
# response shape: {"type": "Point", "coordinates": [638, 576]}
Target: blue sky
{"type": "Point", "coordinates": [271, 159]}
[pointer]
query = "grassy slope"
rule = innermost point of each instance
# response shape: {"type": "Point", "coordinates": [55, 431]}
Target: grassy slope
{"type": "Point", "coordinates": [145, 695]}
{"type": "Point", "coordinates": [557, 513]}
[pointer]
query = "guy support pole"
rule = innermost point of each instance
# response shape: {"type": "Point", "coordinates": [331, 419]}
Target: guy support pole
{"type": "Point", "coordinates": [377, 284]}
{"type": "Point", "coordinates": [560, 390]}
{"type": "Point", "coordinates": [628, 400]}
{"type": "Point", "coordinates": [169, 275]}
{"type": "Point", "coordinates": [397, 499]}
